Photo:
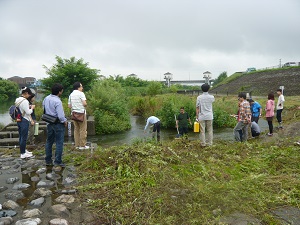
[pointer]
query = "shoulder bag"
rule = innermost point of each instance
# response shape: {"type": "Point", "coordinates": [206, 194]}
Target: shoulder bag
{"type": "Point", "coordinates": [49, 119]}
{"type": "Point", "coordinates": [78, 116]}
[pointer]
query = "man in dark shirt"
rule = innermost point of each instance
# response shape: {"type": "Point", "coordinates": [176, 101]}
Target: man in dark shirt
{"type": "Point", "coordinates": [182, 122]}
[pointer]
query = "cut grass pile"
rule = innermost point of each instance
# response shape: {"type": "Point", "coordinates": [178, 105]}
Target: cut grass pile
{"type": "Point", "coordinates": [180, 183]}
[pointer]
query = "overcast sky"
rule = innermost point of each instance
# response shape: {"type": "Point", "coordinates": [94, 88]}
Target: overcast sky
{"type": "Point", "coordinates": [148, 37]}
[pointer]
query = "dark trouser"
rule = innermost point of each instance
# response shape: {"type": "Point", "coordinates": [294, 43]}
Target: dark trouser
{"type": "Point", "coordinates": [55, 132]}
{"type": "Point", "coordinates": [23, 134]}
{"type": "Point", "coordinates": [254, 133]}
{"type": "Point", "coordinates": [278, 115]}
{"type": "Point", "coordinates": [254, 118]}
{"type": "Point", "coordinates": [156, 128]}
{"type": "Point", "coordinates": [270, 123]}
{"type": "Point", "coordinates": [183, 130]}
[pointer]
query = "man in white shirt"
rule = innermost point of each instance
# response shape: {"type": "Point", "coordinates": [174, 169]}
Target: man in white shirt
{"type": "Point", "coordinates": [77, 103]}
{"type": "Point", "coordinates": [204, 113]}
{"type": "Point", "coordinates": [279, 107]}
{"type": "Point", "coordinates": [156, 126]}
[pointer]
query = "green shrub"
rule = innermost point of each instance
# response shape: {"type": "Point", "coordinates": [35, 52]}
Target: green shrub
{"type": "Point", "coordinates": [108, 103]}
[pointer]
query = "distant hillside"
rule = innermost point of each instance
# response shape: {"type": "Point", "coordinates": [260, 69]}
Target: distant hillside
{"type": "Point", "coordinates": [262, 82]}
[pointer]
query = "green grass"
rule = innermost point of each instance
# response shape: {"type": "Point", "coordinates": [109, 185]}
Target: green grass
{"type": "Point", "coordinates": [180, 183]}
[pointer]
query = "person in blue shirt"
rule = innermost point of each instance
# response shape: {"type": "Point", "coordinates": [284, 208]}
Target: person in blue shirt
{"type": "Point", "coordinates": [255, 110]}
{"type": "Point", "coordinates": [55, 131]}
{"type": "Point", "coordinates": [156, 126]}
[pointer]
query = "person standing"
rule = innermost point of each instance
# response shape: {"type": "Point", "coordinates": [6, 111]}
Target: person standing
{"type": "Point", "coordinates": [204, 114]}
{"type": "Point", "coordinates": [24, 120]}
{"type": "Point", "coordinates": [156, 126]}
{"type": "Point", "coordinates": [182, 122]}
{"type": "Point", "coordinates": [77, 103]}
{"type": "Point", "coordinates": [31, 100]}
{"type": "Point", "coordinates": [244, 119]}
{"type": "Point", "coordinates": [256, 110]}
{"type": "Point", "coordinates": [55, 131]}
{"type": "Point", "coordinates": [279, 107]}
{"type": "Point", "coordinates": [270, 106]}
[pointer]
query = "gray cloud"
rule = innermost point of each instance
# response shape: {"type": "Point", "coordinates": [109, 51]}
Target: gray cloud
{"type": "Point", "coordinates": [148, 38]}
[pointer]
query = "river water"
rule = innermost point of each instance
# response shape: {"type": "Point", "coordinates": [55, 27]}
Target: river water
{"type": "Point", "coordinates": [136, 132]}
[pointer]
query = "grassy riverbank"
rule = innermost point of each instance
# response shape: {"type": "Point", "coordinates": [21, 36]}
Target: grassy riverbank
{"type": "Point", "coordinates": [181, 183]}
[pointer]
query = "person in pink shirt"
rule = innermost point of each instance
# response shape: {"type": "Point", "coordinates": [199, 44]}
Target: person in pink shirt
{"type": "Point", "coordinates": [270, 106]}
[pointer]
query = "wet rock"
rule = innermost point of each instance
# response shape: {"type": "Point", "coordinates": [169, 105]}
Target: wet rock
{"type": "Point", "coordinates": [35, 179]}
{"type": "Point", "coordinates": [53, 176]}
{"type": "Point", "coordinates": [16, 166]}
{"type": "Point", "coordinates": [34, 221]}
{"type": "Point", "coordinates": [12, 171]}
{"type": "Point", "coordinates": [6, 221]}
{"type": "Point", "coordinates": [2, 188]}
{"type": "Point", "coordinates": [32, 213]}
{"type": "Point", "coordinates": [21, 186]}
{"type": "Point", "coordinates": [71, 168]}
{"type": "Point", "coordinates": [14, 195]}
{"type": "Point", "coordinates": [12, 180]}
{"type": "Point", "coordinates": [27, 171]}
{"type": "Point", "coordinates": [68, 191]}
{"type": "Point", "coordinates": [6, 213]}
{"type": "Point", "coordinates": [42, 192]}
{"type": "Point", "coordinates": [41, 170]}
{"type": "Point", "coordinates": [289, 214]}
{"type": "Point", "coordinates": [7, 159]}
{"type": "Point", "coordinates": [45, 183]}
{"type": "Point", "coordinates": [240, 218]}
{"type": "Point", "coordinates": [10, 205]}
{"type": "Point", "coordinates": [57, 168]}
{"type": "Point", "coordinates": [5, 167]}
{"type": "Point", "coordinates": [58, 221]}
{"type": "Point", "coordinates": [60, 210]}
{"type": "Point", "coordinates": [68, 199]}
{"type": "Point", "coordinates": [37, 202]}
{"type": "Point", "coordinates": [69, 181]}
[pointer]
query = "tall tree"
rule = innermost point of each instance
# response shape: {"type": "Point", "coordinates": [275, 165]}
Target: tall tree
{"type": "Point", "coordinates": [67, 72]}
{"type": "Point", "coordinates": [8, 89]}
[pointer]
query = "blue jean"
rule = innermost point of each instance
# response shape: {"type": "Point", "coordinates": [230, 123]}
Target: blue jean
{"type": "Point", "coordinates": [55, 132]}
{"type": "Point", "coordinates": [23, 134]}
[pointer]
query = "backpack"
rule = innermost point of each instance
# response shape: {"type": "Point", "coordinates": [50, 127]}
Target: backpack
{"type": "Point", "coordinates": [15, 112]}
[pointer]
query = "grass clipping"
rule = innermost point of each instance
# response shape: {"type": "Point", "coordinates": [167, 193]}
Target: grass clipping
{"type": "Point", "coordinates": [180, 183]}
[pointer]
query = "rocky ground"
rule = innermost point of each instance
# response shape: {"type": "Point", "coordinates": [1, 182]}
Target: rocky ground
{"type": "Point", "coordinates": [33, 193]}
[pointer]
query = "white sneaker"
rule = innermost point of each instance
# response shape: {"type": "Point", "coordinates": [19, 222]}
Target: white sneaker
{"type": "Point", "coordinates": [84, 148]}
{"type": "Point", "coordinates": [28, 152]}
{"type": "Point", "coordinates": [26, 155]}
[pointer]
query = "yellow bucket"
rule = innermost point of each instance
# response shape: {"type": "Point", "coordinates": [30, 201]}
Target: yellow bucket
{"type": "Point", "coordinates": [196, 127]}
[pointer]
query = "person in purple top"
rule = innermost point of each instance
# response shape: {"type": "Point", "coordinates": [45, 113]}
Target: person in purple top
{"type": "Point", "coordinates": [55, 131]}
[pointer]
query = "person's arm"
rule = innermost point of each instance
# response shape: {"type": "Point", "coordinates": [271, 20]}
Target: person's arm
{"type": "Point", "coordinates": [60, 113]}
{"type": "Point", "coordinates": [25, 106]}
{"type": "Point", "coordinates": [84, 103]}
{"type": "Point", "coordinates": [147, 124]}
{"type": "Point", "coordinates": [83, 99]}
{"type": "Point", "coordinates": [69, 102]}
{"type": "Point", "coordinates": [177, 123]}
